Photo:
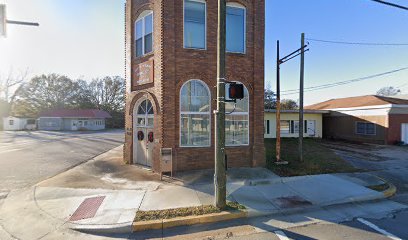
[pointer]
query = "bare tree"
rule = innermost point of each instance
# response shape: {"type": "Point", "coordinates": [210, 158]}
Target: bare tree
{"type": "Point", "coordinates": [12, 81]}
{"type": "Point", "coordinates": [388, 91]}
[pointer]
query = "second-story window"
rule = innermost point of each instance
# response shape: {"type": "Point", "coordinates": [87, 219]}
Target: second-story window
{"type": "Point", "coordinates": [235, 28]}
{"type": "Point", "coordinates": [144, 33]}
{"type": "Point", "coordinates": [195, 24]}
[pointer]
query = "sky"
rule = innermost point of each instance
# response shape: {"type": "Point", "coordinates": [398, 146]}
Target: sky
{"type": "Point", "coordinates": [85, 39]}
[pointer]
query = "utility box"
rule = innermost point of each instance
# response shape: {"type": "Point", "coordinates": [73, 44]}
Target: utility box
{"type": "Point", "coordinates": [166, 163]}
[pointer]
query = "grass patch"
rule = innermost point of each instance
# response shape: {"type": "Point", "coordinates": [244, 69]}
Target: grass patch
{"type": "Point", "coordinates": [184, 212]}
{"type": "Point", "coordinates": [317, 159]}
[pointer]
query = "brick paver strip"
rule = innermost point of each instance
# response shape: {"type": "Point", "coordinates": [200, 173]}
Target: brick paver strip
{"type": "Point", "coordinates": [87, 209]}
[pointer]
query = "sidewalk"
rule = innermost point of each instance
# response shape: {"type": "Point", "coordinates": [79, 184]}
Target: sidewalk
{"type": "Point", "coordinates": [110, 194]}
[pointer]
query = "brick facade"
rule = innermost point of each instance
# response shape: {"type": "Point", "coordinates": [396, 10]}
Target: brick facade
{"type": "Point", "coordinates": [174, 65]}
{"type": "Point", "coordinates": [395, 127]}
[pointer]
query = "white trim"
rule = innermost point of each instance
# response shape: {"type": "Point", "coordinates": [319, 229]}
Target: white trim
{"type": "Point", "coordinates": [195, 113]}
{"type": "Point", "coordinates": [404, 132]}
{"type": "Point", "coordinates": [142, 18]}
{"type": "Point", "coordinates": [361, 107]}
{"type": "Point", "coordinates": [205, 24]}
{"type": "Point", "coordinates": [237, 5]}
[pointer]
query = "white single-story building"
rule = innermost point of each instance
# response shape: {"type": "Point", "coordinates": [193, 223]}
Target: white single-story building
{"type": "Point", "coordinates": [313, 126]}
{"type": "Point", "coordinates": [18, 123]}
{"type": "Point", "coordinates": [73, 120]}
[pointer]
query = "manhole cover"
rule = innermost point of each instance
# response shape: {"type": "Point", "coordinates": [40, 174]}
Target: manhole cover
{"type": "Point", "coordinates": [87, 209]}
{"type": "Point", "coordinates": [292, 202]}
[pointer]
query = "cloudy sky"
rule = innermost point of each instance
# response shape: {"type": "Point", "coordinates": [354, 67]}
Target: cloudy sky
{"type": "Point", "coordinates": [84, 38]}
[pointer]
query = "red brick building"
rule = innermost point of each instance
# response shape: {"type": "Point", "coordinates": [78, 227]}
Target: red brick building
{"type": "Point", "coordinates": [373, 119]}
{"type": "Point", "coordinates": [171, 65]}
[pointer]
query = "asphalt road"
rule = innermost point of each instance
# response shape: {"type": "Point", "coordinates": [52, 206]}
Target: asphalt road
{"type": "Point", "coordinates": [387, 162]}
{"type": "Point", "coordinates": [27, 158]}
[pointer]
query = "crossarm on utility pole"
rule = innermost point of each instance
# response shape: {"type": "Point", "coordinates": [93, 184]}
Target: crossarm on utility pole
{"type": "Point", "coordinates": [22, 23]}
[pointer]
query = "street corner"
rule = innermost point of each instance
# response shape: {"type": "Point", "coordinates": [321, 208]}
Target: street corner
{"type": "Point", "coordinates": [91, 210]}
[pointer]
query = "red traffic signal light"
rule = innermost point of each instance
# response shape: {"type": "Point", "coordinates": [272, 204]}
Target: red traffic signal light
{"type": "Point", "coordinates": [236, 91]}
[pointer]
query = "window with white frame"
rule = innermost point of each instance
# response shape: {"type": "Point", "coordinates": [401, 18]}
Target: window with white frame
{"type": "Point", "coordinates": [195, 24]}
{"type": "Point", "coordinates": [144, 33]}
{"type": "Point", "coordinates": [237, 120]}
{"type": "Point", "coordinates": [285, 127]}
{"type": "Point", "coordinates": [11, 122]}
{"type": "Point", "coordinates": [365, 128]}
{"type": "Point", "coordinates": [236, 28]}
{"type": "Point", "coordinates": [195, 124]}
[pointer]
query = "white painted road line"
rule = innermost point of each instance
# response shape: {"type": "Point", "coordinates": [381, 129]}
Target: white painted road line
{"type": "Point", "coordinates": [382, 231]}
{"type": "Point", "coordinates": [11, 150]}
{"type": "Point", "coordinates": [281, 235]}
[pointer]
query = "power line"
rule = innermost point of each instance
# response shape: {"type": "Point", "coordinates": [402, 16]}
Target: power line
{"type": "Point", "coordinates": [330, 85]}
{"type": "Point", "coordinates": [391, 4]}
{"type": "Point", "coordinates": [356, 43]}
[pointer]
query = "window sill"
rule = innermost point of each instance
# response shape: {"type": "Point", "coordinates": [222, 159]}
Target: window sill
{"type": "Point", "coordinates": [236, 54]}
{"type": "Point", "coordinates": [195, 49]}
{"type": "Point", "coordinates": [144, 57]}
{"type": "Point", "coordinates": [243, 145]}
{"type": "Point", "coordinates": [186, 147]}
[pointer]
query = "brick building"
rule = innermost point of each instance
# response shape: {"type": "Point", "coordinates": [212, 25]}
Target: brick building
{"type": "Point", "coordinates": [171, 66]}
{"type": "Point", "coordinates": [372, 119]}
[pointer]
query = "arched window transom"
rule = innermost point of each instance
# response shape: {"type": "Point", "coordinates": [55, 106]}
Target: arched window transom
{"type": "Point", "coordinates": [145, 114]}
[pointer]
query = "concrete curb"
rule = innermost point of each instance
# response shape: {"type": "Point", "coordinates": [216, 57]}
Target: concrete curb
{"type": "Point", "coordinates": [101, 228]}
{"type": "Point", "coordinates": [187, 221]}
{"type": "Point", "coordinates": [391, 190]}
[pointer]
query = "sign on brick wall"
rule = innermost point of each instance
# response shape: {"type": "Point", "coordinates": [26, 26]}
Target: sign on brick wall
{"type": "Point", "coordinates": [144, 73]}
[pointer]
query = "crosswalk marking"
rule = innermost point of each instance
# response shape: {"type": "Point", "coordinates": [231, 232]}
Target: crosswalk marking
{"type": "Point", "coordinates": [281, 235]}
{"type": "Point", "coordinates": [376, 228]}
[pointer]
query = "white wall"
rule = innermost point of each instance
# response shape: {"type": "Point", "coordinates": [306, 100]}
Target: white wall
{"type": "Point", "coordinates": [18, 123]}
{"type": "Point", "coordinates": [318, 118]}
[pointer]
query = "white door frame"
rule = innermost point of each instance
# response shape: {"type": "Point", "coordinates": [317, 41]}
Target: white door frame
{"type": "Point", "coordinates": [145, 126]}
{"type": "Point", "coordinates": [404, 133]}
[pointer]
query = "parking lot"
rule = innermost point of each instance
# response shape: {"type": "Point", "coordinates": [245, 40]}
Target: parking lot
{"type": "Point", "coordinates": [27, 158]}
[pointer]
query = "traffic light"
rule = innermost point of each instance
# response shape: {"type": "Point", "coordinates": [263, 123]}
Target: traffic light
{"type": "Point", "coordinates": [236, 91]}
{"type": "Point", "coordinates": [3, 20]}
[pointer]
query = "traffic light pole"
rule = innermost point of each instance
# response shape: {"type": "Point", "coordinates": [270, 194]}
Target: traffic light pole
{"type": "Point", "coordinates": [220, 173]}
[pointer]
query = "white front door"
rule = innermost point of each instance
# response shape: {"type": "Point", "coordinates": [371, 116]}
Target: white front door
{"type": "Point", "coordinates": [143, 137]}
{"type": "Point", "coordinates": [404, 133]}
{"type": "Point", "coordinates": [74, 125]}
{"type": "Point", "coordinates": [311, 128]}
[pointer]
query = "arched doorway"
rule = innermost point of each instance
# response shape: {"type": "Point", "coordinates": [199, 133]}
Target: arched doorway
{"type": "Point", "coordinates": [143, 136]}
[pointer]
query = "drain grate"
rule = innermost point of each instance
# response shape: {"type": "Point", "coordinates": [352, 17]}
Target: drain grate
{"type": "Point", "coordinates": [292, 202]}
{"type": "Point", "coordinates": [87, 209]}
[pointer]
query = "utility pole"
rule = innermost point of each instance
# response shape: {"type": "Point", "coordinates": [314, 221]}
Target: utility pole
{"type": "Point", "coordinates": [278, 107]}
{"type": "Point", "coordinates": [4, 21]}
{"type": "Point", "coordinates": [301, 51]}
{"type": "Point", "coordinates": [220, 175]}
{"type": "Point", "coordinates": [301, 91]}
